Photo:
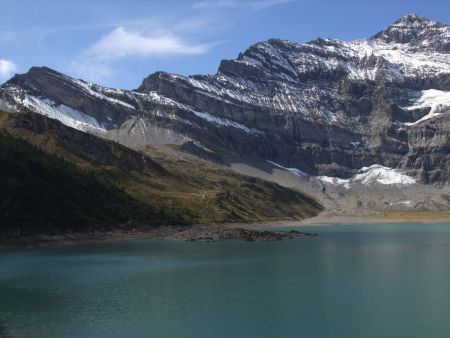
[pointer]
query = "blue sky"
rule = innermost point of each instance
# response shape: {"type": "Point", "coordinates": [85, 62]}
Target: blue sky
{"type": "Point", "coordinates": [118, 43]}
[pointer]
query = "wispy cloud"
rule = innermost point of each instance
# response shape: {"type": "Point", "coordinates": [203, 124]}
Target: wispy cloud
{"type": "Point", "coordinates": [122, 43]}
{"type": "Point", "coordinates": [194, 34]}
{"type": "Point", "coordinates": [140, 40]}
{"type": "Point", "coordinates": [253, 4]}
{"type": "Point", "coordinates": [7, 69]}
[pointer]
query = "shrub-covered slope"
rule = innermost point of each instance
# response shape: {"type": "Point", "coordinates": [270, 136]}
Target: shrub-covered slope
{"type": "Point", "coordinates": [43, 193]}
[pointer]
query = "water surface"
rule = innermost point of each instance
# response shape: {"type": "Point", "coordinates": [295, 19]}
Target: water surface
{"type": "Point", "coordinates": [351, 281]}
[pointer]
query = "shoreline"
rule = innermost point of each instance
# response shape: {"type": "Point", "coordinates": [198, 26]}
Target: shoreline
{"type": "Point", "coordinates": [194, 233]}
{"type": "Point", "coordinates": [335, 218]}
{"type": "Point", "coordinates": [256, 231]}
{"type": "Point", "coordinates": [396, 217]}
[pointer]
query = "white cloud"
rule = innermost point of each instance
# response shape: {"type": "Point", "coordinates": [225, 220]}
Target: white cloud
{"type": "Point", "coordinates": [7, 69]}
{"type": "Point", "coordinates": [122, 43]}
{"type": "Point", "coordinates": [96, 63]}
{"type": "Point", "coordinates": [254, 4]}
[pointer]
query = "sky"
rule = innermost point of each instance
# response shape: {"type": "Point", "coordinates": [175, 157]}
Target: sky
{"type": "Point", "coordinates": [117, 43]}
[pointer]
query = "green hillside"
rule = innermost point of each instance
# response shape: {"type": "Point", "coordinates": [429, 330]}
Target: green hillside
{"type": "Point", "coordinates": [57, 179]}
{"type": "Point", "coordinates": [43, 193]}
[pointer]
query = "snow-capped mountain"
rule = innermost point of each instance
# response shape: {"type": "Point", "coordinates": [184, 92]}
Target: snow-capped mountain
{"type": "Point", "coordinates": [324, 108]}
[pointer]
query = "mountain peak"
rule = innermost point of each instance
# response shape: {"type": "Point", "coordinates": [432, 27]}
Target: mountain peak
{"type": "Point", "coordinates": [416, 23]}
{"type": "Point", "coordinates": [418, 31]}
{"type": "Point", "coordinates": [411, 19]}
{"type": "Point", "coordinates": [35, 73]}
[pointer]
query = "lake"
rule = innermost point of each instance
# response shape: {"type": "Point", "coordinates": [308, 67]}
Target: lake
{"type": "Point", "coordinates": [350, 281]}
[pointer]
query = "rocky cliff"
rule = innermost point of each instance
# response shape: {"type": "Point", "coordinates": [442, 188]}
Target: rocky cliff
{"type": "Point", "coordinates": [324, 108]}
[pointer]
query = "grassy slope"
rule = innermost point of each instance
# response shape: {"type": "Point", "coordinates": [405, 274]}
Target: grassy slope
{"type": "Point", "coordinates": [184, 191]}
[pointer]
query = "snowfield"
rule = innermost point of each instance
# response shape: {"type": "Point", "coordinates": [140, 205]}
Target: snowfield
{"type": "Point", "coordinates": [372, 175]}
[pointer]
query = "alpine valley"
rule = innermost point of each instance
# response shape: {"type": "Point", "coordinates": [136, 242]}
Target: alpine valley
{"type": "Point", "coordinates": [282, 131]}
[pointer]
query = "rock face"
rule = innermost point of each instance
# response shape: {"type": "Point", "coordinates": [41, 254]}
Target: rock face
{"type": "Point", "coordinates": [326, 107]}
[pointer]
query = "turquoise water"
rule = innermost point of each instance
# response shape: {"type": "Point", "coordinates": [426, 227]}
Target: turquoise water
{"type": "Point", "coordinates": [351, 281]}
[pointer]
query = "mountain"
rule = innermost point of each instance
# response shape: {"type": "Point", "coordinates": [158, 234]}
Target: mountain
{"type": "Point", "coordinates": [323, 111]}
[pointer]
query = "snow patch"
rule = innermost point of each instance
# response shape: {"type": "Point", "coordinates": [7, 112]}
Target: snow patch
{"type": "Point", "coordinates": [406, 202]}
{"type": "Point", "coordinates": [225, 122]}
{"type": "Point", "coordinates": [66, 115]}
{"type": "Point", "coordinates": [294, 171]}
{"type": "Point", "coordinates": [437, 100]}
{"type": "Point", "coordinates": [370, 175]}
{"type": "Point", "coordinates": [87, 87]}
{"type": "Point", "coordinates": [383, 175]}
{"type": "Point", "coordinates": [335, 181]}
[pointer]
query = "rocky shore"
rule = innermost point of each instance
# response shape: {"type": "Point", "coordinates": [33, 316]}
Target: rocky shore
{"type": "Point", "coordinates": [204, 233]}
{"type": "Point", "coordinates": [213, 233]}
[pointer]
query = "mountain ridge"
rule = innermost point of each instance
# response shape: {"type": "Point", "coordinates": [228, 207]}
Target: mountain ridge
{"type": "Point", "coordinates": [326, 107]}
